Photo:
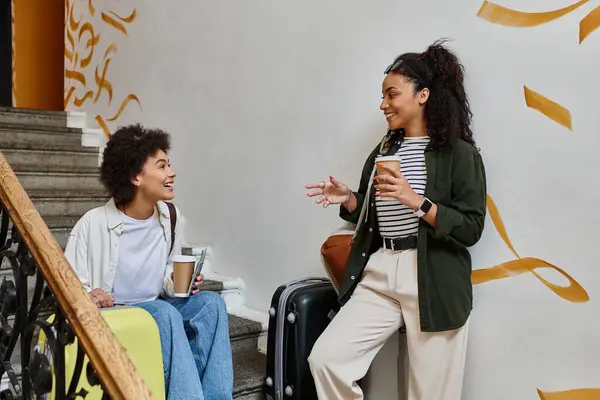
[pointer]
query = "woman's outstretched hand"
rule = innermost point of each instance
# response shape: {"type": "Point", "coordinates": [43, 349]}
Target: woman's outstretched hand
{"type": "Point", "coordinates": [329, 192]}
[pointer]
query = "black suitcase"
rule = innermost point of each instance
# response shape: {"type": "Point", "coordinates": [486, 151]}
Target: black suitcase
{"type": "Point", "coordinates": [300, 312]}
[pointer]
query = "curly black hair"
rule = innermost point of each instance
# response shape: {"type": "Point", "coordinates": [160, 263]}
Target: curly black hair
{"type": "Point", "coordinates": [124, 156]}
{"type": "Point", "coordinates": [447, 110]}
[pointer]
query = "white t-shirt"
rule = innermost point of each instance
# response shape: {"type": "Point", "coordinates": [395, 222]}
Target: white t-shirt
{"type": "Point", "coordinates": [142, 260]}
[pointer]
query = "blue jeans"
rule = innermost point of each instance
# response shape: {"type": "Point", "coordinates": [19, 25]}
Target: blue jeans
{"type": "Point", "coordinates": [194, 336]}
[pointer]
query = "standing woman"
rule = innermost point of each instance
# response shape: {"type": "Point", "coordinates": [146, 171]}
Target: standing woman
{"type": "Point", "coordinates": [409, 264]}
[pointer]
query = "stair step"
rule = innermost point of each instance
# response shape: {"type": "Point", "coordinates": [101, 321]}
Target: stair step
{"type": "Point", "coordinates": [214, 286]}
{"type": "Point", "coordinates": [65, 221]}
{"type": "Point", "coordinates": [243, 333]}
{"type": "Point", "coordinates": [23, 116]}
{"type": "Point", "coordinates": [59, 181]}
{"type": "Point", "coordinates": [95, 193]}
{"type": "Point", "coordinates": [49, 205]}
{"type": "Point", "coordinates": [32, 138]}
{"type": "Point", "coordinates": [22, 160]}
{"type": "Point", "coordinates": [249, 370]}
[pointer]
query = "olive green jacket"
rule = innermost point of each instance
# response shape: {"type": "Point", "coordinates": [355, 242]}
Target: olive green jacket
{"type": "Point", "coordinates": [456, 183]}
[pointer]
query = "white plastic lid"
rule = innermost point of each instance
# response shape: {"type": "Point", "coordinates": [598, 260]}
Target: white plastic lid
{"type": "Point", "coordinates": [181, 258]}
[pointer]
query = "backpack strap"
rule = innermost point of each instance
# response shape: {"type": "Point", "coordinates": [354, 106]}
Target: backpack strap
{"type": "Point", "coordinates": [173, 218]}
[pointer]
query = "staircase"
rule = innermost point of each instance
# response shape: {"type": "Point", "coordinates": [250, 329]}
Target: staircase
{"type": "Point", "coordinates": [61, 178]}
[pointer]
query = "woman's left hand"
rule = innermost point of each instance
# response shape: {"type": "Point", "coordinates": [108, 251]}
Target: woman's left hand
{"type": "Point", "coordinates": [397, 187]}
{"type": "Point", "coordinates": [198, 283]}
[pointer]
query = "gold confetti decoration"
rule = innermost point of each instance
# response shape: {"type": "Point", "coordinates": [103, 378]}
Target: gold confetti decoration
{"type": "Point", "coordinates": [81, 101]}
{"type": "Point", "coordinates": [129, 19]}
{"type": "Point", "coordinates": [574, 292]}
{"type": "Point", "coordinates": [589, 24]}
{"type": "Point", "coordinates": [91, 43]}
{"type": "Point", "coordinates": [575, 394]}
{"type": "Point", "coordinates": [131, 97]}
{"type": "Point", "coordinates": [111, 48]}
{"type": "Point", "coordinates": [497, 14]}
{"type": "Point", "coordinates": [114, 23]}
{"type": "Point", "coordinates": [72, 23]}
{"type": "Point", "coordinates": [103, 83]}
{"type": "Point", "coordinates": [69, 95]}
{"type": "Point", "coordinates": [83, 29]}
{"type": "Point", "coordinates": [499, 224]}
{"type": "Point", "coordinates": [68, 54]}
{"type": "Point", "coordinates": [103, 126]}
{"type": "Point", "coordinates": [549, 108]}
{"type": "Point", "coordinates": [70, 39]}
{"type": "Point", "coordinates": [78, 76]}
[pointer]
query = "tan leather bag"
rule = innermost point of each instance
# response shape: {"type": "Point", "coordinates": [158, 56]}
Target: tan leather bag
{"type": "Point", "coordinates": [335, 251]}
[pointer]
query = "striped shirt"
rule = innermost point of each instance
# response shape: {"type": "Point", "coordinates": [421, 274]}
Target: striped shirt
{"type": "Point", "coordinates": [394, 218]}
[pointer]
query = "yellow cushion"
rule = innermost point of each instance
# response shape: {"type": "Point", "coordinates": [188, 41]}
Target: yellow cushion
{"type": "Point", "coordinates": [137, 332]}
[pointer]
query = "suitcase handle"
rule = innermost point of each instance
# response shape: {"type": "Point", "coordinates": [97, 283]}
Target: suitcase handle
{"type": "Point", "coordinates": [305, 280]}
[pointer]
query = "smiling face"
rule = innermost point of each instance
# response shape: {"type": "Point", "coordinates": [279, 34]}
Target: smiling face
{"type": "Point", "coordinates": [400, 104]}
{"type": "Point", "coordinates": [155, 182]}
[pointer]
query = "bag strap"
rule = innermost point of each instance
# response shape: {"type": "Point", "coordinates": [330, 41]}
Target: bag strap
{"type": "Point", "coordinates": [173, 218]}
{"type": "Point", "coordinates": [364, 210]}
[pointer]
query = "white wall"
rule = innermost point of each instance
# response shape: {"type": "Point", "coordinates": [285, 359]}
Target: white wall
{"type": "Point", "coordinates": [262, 97]}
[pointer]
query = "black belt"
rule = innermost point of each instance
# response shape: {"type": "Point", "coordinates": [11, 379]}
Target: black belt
{"type": "Point", "coordinates": [399, 244]}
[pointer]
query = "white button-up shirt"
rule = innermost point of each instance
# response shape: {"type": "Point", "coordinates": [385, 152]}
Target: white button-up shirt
{"type": "Point", "coordinates": [93, 246]}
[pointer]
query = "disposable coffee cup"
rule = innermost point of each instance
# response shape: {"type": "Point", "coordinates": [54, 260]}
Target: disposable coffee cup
{"type": "Point", "coordinates": [392, 162]}
{"type": "Point", "coordinates": [183, 271]}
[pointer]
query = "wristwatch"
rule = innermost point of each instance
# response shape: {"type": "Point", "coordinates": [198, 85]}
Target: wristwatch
{"type": "Point", "coordinates": [424, 207]}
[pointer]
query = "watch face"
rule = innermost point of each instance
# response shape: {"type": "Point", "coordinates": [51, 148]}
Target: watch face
{"type": "Point", "coordinates": [426, 206]}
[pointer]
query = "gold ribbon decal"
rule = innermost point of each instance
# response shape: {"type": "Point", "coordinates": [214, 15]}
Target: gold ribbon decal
{"type": "Point", "coordinates": [78, 76]}
{"type": "Point", "coordinates": [91, 43]}
{"type": "Point", "coordinates": [81, 101]}
{"type": "Point", "coordinates": [69, 95]}
{"type": "Point", "coordinates": [69, 54]}
{"type": "Point", "coordinates": [131, 97]}
{"type": "Point", "coordinates": [103, 83]}
{"type": "Point", "coordinates": [549, 108]}
{"type": "Point", "coordinates": [589, 24]}
{"type": "Point", "coordinates": [70, 39]}
{"type": "Point", "coordinates": [129, 19]}
{"type": "Point", "coordinates": [78, 93]}
{"type": "Point", "coordinates": [497, 14]}
{"type": "Point", "coordinates": [111, 48]}
{"type": "Point", "coordinates": [573, 293]}
{"type": "Point", "coordinates": [575, 394]}
{"type": "Point", "coordinates": [72, 23]}
{"type": "Point", "coordinates": [103, 126]}
{"type": "Point", "coordinates": [114, 23]}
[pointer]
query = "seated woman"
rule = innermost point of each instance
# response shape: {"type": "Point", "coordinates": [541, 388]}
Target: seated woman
{"type": "Point", "coordinates": [122, 253]}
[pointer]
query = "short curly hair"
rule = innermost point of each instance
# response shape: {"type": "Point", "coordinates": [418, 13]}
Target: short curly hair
{"type": "Point", "coordinates": [124, 156]}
